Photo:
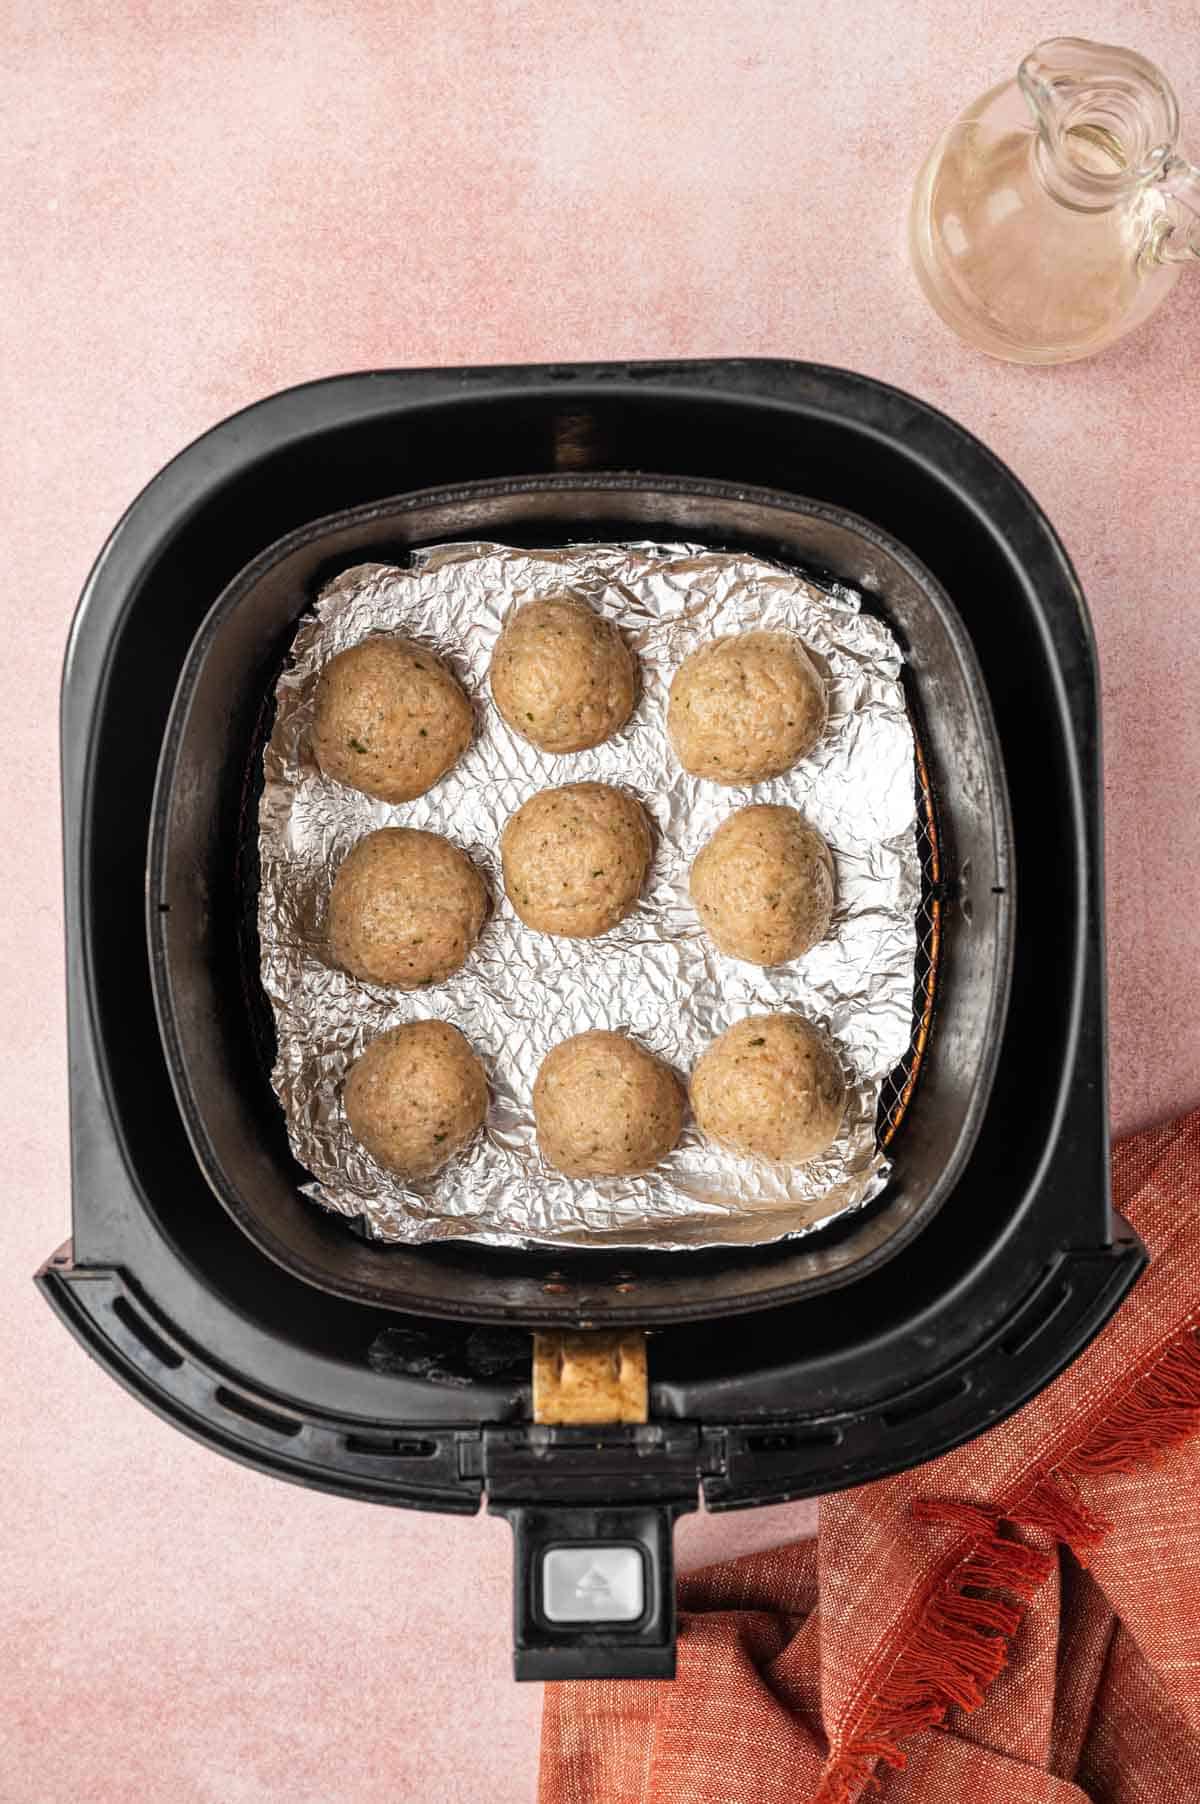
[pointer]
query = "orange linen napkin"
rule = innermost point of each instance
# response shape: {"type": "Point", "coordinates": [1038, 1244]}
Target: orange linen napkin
{"type": "Point", "coordinates": [1015, 1623]}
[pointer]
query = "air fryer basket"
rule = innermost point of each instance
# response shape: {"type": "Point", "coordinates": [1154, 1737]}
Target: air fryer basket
{"type": "Point", "coordinates": [206, 973]}
{"type": "Point", "coordinates": [938, 1336]}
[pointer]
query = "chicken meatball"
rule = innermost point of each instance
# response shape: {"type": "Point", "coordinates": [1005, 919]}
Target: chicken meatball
{"type": "Point", "coordinates": [562, 676]}
{"type": "Point", "coordinates": [770, 1086]}
{"type": "Point", "coordinates": [406, 909]}
{"type": "Point", "coordinates": [415, 1097]}
{"type": "Point", "coordinates": [390, 718]}
{"type": "Point", "coordinates": [763, 885]}
{"type": "Point", "coordinates": [605, 1107]}
{"type": "Point", "coordinates": [745, 708]}
{"type": "Point", "coordinates": [575, 858]}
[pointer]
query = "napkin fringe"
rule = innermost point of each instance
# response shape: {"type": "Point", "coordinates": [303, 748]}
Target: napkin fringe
{"type": "Point", "coordinates": [959, 1641]}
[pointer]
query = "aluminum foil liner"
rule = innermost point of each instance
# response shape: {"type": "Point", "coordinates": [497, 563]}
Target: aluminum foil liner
{"type": "Point", "coordinates": [657, 975]}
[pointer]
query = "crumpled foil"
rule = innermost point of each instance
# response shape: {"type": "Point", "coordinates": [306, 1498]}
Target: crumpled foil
{"type": "Point", "coordinates": [656, 975]}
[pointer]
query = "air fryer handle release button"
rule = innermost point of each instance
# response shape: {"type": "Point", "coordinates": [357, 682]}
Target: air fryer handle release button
{"type": "Point", "coordinates": [593, 1581]}
{"type": "Point", "coordinates": [593, 1588]}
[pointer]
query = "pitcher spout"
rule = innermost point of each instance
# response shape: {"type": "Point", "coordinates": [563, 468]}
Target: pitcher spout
{"type": "Point", "coordinates": [1107, 119]}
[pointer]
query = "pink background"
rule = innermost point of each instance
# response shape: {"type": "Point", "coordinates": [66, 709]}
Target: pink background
{"type": "Point", "coordinates": [204, 202]}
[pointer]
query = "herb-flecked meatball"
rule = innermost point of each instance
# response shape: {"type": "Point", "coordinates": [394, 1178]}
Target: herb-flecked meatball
{"type": "Point", "coordinates": [605, 1107]}
{"type": "Point", "coordinates": [746, 707]}
{"type": "Point", "coordinates": [415, 1097]}
{"type": "Point", "coordinates": [575, 858]}
{"type": "Point", "coordinates": [763, 885]}
{"type": "Point", "coordinates": [406, 908]}
{"type": "Point", "coordinates": [390, 718]}
{"type": "Point", "coordinates": [770, 1086]}
{"type": "Point", "coordinates": [562, 676]}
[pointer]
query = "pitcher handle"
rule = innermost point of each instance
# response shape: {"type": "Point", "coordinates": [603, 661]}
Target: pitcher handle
{"type": "Point", "coordinates": [1181, 181]}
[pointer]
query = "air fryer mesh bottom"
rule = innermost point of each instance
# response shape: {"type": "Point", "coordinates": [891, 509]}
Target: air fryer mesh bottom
{"type": "Point", "coordinates": [900, 1084]}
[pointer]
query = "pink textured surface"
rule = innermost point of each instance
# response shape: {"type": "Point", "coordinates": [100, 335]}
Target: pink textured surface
{"type": "Point", "coordinates": [204, 202]}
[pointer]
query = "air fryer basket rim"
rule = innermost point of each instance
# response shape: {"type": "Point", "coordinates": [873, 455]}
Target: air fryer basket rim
{"type": "Point", "coordinates": [646, 489]}
{"type": "Point", "coordinates": [326, 403]}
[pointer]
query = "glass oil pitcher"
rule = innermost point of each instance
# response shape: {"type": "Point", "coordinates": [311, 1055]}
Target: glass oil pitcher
{"type": "Point", "coordinates": [1055, 214]}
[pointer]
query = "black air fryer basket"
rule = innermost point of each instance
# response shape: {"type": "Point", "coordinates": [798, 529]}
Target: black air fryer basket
{"type": "Point", "coordinates": [271, 1330]}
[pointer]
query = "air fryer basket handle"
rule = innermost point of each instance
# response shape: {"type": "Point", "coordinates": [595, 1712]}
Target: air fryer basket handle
{"type": "Point", "coordinates": [593, 1589]}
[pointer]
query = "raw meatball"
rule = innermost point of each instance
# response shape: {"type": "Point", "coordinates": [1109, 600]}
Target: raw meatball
{"type": "Point", "coordinates": [745, 708]}
{"type": "Point", "coordinates": [575, 859]}
{"type": "Point", "coordinates": [415, 1097]}
{"type": "Point", "coordinates": [763, 885]}
{"type": "Point", "coordinates": [771, 1086]}
{"type": "Point", "coordinates": [562, 676]}
{"type": "Point", "coordinates": [406, 909]}
{"type": "Point", "coordinates": [604, 1106]}
{"type": "Point", "coordinates": [390, 718]}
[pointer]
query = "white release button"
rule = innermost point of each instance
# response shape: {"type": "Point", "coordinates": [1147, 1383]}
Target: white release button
{"type": "Point", "coordinates": [593, 1583]}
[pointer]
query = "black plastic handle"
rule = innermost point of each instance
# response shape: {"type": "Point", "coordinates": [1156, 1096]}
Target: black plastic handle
{"type": "Point", "coordinates": [593, 1589]}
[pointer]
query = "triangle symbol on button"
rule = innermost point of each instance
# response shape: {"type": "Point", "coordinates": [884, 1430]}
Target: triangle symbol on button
{"type": "Point", "coordinates": [593, 1584]}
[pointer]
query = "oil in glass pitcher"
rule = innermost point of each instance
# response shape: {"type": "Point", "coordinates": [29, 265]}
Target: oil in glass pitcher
{"type": "Point", "coordinates": [1055, 214]}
